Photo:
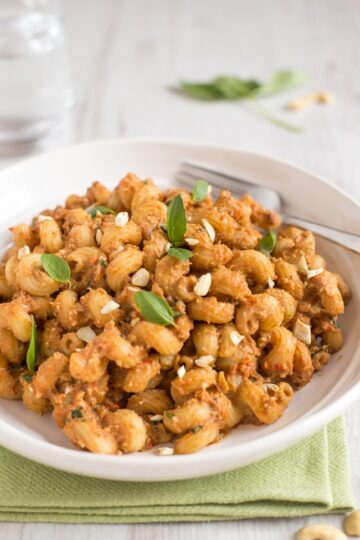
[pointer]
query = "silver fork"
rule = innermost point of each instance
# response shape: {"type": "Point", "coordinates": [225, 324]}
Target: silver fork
{"type": "Point", "coordinates": [189, 172]}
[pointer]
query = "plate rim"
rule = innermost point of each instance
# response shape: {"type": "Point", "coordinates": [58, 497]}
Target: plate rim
{"type": "Point", "coordinates": [174, 141]}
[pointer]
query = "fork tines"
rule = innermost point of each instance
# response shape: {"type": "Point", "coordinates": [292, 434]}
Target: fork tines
{"type": "Point", "coordinates": [189, 172]}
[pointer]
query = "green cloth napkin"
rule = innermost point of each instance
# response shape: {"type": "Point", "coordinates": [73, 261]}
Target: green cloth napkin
{"type": "Point", "coordinates": [309, 478]}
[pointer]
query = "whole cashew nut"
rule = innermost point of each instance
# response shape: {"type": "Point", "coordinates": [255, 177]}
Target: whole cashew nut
{"type": "Point", "coordinates": [320, 532]}
{"type": "Point", "coordinates": [352, 523]}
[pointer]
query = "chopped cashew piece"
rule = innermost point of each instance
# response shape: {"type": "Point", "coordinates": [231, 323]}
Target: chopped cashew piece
{"type": "Point", "coordinates": [236, 338]}
{"type": "Point", "coordinates": [109, 307]}
{"type": "Point", "coordinates": [23, 251]}
{"type": "Point", "coordinates": [181, 372]}
{"type": "Point", "coordinates": [165, 451]}
{"type": "Point", "coordinates": [302, 331]}
{"type": "Point", "coordinates": [98, 236]}
{"type": "Point", "coordinates": [302, 264]}
{"type": "Point", "coordinates": [156, 418]}
{"type": "Point", "coordinates": [203, 285]}
{"type": "Point", "coordinates": [320, 532]}
{"type": "Point", "coordinates": [204, 361]}
{"type": "Point", "coordinates": [141, 278]}
{"type": "Point", "coordinates": [121, 219]}
{"type": "Point", "coordinates": [209, 229]}
{"type": "Point", "coordinates": [192, 241]}
{"type": "Point", "coordinates": [309, 99]}
{"type": "Point", "coordinates": [86, 334]}
{"type": "Point", "coordinates": [271, 386]}
{"type": "Point", "coordinates": [314, 272]}
{"type": "Point", "coordinates": [352, 523]}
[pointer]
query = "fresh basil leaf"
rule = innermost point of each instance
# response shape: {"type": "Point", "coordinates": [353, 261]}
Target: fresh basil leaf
{"type": "Point", "coordinates": [268, 242]}
{"type": "Point", "coordinates": [200, 190]}
{"type": "Point", "coordinates": [203, 91]}
{"type": "Point", "coordinates": [226, 87]}
{"type": "Point", "coordinates": [56, 267]}
{"type": "Point", "coordinates": [235, 88]}
{"type": "Point", "coordinates": [281, 81]}
{"type": "Point", "coordinates": [180, 253]}
{"type": "Point", "coordinates": [102, 209]}
{"type": "Point", "coordinates": [176, 220]}
{"type": "Point", "coordinates": [31, 354]}
{"type": "Point", "coordinates": [154, 308]}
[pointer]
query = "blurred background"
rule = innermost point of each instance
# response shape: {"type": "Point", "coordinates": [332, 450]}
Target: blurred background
{"type": "Point", "coordinates": [125, 56]}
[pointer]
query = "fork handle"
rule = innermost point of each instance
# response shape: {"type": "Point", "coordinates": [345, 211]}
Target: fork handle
{"type": "Point", "coordinates": [347, 240]}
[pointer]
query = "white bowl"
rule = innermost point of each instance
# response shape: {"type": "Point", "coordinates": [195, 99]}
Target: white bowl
{"type": "Point", "coordinates": [45, 181]}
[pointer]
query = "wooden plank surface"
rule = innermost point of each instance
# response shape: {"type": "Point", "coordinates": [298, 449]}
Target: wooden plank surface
{"type": "Point", "coordinates": [126, 54]}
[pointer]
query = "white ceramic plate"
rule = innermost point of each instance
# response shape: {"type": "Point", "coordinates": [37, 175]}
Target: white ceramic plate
{"type": "Point", "coordinates": [45, 181]}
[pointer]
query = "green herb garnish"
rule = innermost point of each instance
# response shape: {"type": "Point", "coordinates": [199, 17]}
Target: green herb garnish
{"type": "Point", "coordinates": [101, 209]}
{"type": "Point", "coordinates": [180, 253]}
{"type": "Point", "coordinates": [200, 190]}
{"type": "Point", "coordinates": [27, 377]}
{"type": "Point", "coordinates": [76, 413]}
{"type": "Point", "coordinates": [56, 267]}
{"type": "Point", "coordinates": [103, 263]}
{"type": "Point", "coordinates": [31, 354]}
{"type": "Point", "coordinates": [268, 242]}
{"type": "Point", "coordinates": [154, 308]}
{"type": "Point", "coordinates": [234, 88]}
{"type": "Point", "coordinates": [221, 88]}
{"type": "Point", "coordinates": [169, 415]}
{"type": "Point", "coordinates": [176, 221]}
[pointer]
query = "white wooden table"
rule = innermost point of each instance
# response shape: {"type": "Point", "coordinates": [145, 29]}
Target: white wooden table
{"type": "Point", "coordinates": [127, 53]}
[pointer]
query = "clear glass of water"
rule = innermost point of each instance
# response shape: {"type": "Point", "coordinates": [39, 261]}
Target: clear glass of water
{"type": "Point", "coordinates": [36, 95]}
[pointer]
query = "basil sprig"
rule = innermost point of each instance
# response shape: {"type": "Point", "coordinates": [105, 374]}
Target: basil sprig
{"type": "Point", "coordinates": [154, 308]}
{"type": "Point", "coordinates": [234, 88]}
{"type": "Point", "coordinates": [176, 221]}
{"type": "Point", "coordinates": [180, 253]}
{"type": "Point", "coordinates": [268, 242]}
{"type": "Point", "coordinates": [200, 190]}
{"type": "Point", "coordinates": [32, 351]}
{"type": "Point", "coordinates": [56, 267]}
{"type": "Point", "coordinates": [101, 209]}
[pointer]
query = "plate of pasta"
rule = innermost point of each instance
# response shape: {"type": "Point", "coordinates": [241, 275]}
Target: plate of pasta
{"type": "Point", "coordinates": [152, 332]}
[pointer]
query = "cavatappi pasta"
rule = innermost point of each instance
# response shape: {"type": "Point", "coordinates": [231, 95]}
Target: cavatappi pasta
{"type": "Point", "coordinates": [249, 327]}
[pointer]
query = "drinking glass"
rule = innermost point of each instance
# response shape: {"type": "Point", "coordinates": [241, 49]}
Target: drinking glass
{"type": "Point", "coordinates": [36, 95]}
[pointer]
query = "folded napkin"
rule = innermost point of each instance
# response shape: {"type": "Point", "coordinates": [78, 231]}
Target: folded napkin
{"type": "Point", "coordinates": [309, 478]}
